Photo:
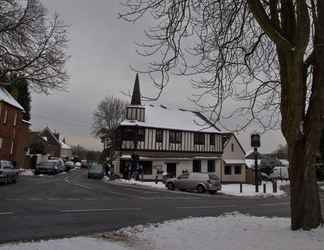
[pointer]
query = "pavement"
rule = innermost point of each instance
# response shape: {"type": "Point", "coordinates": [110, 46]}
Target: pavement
{"type": "Point", "coordinates": [65, 205]}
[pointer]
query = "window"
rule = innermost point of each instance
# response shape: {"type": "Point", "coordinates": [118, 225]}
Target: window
{"type": "Point", "coordinates": [183, 176]}
{"type": "Point", "coordinates": [141, 134]}
{"type": "Point", "coordinates": [232, 147]}
{"type": "Point", "coordinates": [159, 135]}
{"type": "Point", "coordinates": [128, 134]}
{"type": "Point", "coordinates": [15, 119]}
{"type": "Point", "coordinates": [199, 139]}
{"type": "Point", "coordinates": [5, 116]}
{"type": "Point", "coordinates": [147, 167]}
{"type": "Point", "coordinates": [196, 168]}
{"type": "Point", "coordinates": [228, 170]}
{"type": "Point", "coordinates": [12, 147]}
{"type": "Point", "coordinates": [237, 170]}
{"type": "Point", "coordinates": [175, 136]}
{"type": "Point", "coordinates": [212, 139]}
{"type": "Point", "coordinates": [211, 166]}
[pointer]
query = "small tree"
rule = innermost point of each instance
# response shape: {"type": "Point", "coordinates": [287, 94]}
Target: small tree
{"type": "Point", "coordinates": [20, 91]}
{"type": "Point", "coordinates": [109, 114]}
{"type": "Point", "coordinates": [32, 45]}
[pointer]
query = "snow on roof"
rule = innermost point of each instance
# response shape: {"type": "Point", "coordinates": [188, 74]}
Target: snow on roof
{"type": "Point", "coordinates": [159, 117]}
{"type": "Point", "coordinates": [7, 98]}
{"type": "Point", "coordinates": [65, 146]}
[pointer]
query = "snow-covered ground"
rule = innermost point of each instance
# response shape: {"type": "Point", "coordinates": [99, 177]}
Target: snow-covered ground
{"type": "Point", "coordinates": [249, 190]}
{"type": "Point", "coordinates": [26, 172]}
{"type": "Point", "coordinates": [152, 184]}
{"type": "Point", "coordinates": [228, 232]}
{"type": "Point", "coordinates": [229, 189]}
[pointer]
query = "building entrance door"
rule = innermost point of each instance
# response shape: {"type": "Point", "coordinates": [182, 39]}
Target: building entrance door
{"type": "Point", "coordinates": [172, 169]}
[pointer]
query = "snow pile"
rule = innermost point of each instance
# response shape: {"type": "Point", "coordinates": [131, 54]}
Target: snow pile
{"type": "Point", "coordinates": [249, 190]}
{"type": "Point", "coordinates": [152, 184]}
{"type": "Point", "coordinates": [26, 172]}
{"type": "Point", "coordinates": [78, 243]}
{"type": "Point", "coordinates": [229, 232]}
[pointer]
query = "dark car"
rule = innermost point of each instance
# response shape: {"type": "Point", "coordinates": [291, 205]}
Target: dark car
{"type": "Point", "coordinates": [49, 167]}
{"type": "Point", "coordinates": [96, 171]}
{"type": "Point", "coordinates": [8, 172]}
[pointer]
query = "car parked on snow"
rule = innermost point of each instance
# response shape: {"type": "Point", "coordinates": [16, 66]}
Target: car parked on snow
{"type": "Point", "coordinates": [50, 167]}
{"type": "Point", "coordinates": [200, 182]}
{"type": "Point", "coordinates": [8, 172]}
{"type": "Point", "coordinates": [96, 171]}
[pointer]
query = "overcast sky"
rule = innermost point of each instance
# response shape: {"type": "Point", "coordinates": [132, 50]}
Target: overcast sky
{"type": "Point", "coordinates": [102, 49]}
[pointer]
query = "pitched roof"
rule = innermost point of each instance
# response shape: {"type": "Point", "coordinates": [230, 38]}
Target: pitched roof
{"type": "Point", "coordinates": [7, 98]}
{"type": "Point", "coordinates": [136, 97]}
{"type": "Point", "coordinates": [162, 117]}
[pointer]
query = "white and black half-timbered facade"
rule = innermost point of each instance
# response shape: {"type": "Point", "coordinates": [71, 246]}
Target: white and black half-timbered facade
{"type": "Point", "coordinates": [168, 140]}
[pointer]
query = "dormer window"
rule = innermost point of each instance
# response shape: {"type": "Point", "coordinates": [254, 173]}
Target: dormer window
{"type": "Point", "coordinates": [141, 134]}
{"type": "Point", "coordinates": [175, 137]}
{"type": "Point", "coordinates": [159, 135]}
{"type": "Point", "coordinates": [232, 147]}
{"type": "Point", "coordinates": [199, 139]}
{"type": "Point", "coordinates": [212, 139]}
{"type": "Point", "coordinates": [128, 134]}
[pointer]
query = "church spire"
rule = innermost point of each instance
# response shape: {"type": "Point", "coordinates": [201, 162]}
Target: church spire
{"type": "Point", "coordinates": [136, 97]}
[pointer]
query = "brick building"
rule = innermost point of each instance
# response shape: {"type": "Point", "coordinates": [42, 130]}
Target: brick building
{"type": "Point", "coordinates": [14, 131]}
{"type": "Point", "coordinates": [53, 145]}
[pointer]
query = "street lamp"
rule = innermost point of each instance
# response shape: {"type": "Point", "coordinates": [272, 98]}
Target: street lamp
{"type": "Point", "coordinates": [255, 143]}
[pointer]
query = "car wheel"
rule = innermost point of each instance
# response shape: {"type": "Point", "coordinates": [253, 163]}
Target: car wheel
{"type": "Point", "coordinates": [170, 186]}
{"type": "Point", "coordinates": [200, 189]}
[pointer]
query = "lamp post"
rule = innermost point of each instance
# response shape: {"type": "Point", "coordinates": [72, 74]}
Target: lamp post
{"type": "Point", "coordinates": [255, 143]}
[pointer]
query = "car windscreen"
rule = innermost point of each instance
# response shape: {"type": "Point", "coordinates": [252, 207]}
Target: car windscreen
{"type": "Point", "coordinates": [96, 168]}
{"type": "Point", "coordinates": [7, 165]}
{"type": "Point", "coordinates": [213, 177]}
{"type": "Point", "coordinates": [46, 164]}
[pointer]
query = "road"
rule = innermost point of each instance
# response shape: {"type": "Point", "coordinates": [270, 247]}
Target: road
{"type": "Point", "coordinates": [43, 207]}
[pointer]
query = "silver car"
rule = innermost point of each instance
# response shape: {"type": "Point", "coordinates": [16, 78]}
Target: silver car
{"type": "Point", "coordinates": [8, 173]}
{"type": "Point", "coordinates": [201, 182]}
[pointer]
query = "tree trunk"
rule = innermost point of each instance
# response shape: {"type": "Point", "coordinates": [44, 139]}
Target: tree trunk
{"type": "Point", "coordinates": [305, 202]}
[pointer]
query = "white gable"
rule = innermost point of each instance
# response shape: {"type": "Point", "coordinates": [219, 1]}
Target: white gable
{"type": "Point", "coordinates": [236, 154]}
{"type": "Point", "coordinates": [7, 98]}
{"type": "Point", "coordinates": [159, 117]}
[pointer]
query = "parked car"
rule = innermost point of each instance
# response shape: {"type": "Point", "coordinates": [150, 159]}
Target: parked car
{"type": "Point", "coordinates": [201, 182]}
{"type": "Point", "coordinates": [50, 167]}
{"type": "Point", "coordinates": [69, 165]}
{"type": "Point", "coordinates": [84, 164]}
{"type": "Point", "coordinates": [78, 164]}
{"type": "Point", "coordinates": [8, 172]}
{"type": "Point", "coordinates": [96, 171]}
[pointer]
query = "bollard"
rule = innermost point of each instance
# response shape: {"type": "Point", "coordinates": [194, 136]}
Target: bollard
{"type": "Point", "coordinates": [264, 188]}
{"type": "Point", "coordinates": [274, 186]}
{"type": "Point", "coordinates": [241, 187]}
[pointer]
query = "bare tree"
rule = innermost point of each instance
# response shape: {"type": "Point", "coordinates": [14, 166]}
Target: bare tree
{"type": "Point", "coordinates": [106, 119]}
{"type": "Point", "coordinates": [263, 54]}
{"type": "Point", "coordinates": [32, 46]}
